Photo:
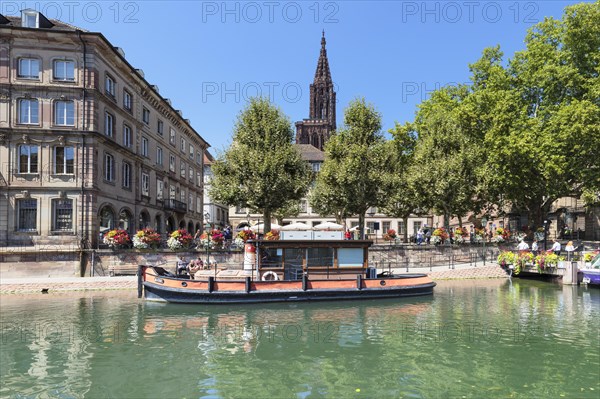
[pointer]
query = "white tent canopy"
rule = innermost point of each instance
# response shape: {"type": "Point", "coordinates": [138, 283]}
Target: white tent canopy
{"type": "Point", "coordinates": [296, 227]}
{"type": "Point", "coordinates": [261, 227]}
{"type": "Point", "coordinates": [328, 226]}
{"type": "Point", "coordinates": [356, 228]}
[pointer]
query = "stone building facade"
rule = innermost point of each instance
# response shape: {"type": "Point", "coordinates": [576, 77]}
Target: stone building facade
{"type": "Point", "coordinates": [86, 143]}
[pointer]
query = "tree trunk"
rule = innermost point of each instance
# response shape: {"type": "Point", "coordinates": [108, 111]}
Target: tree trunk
{"type": "Point", "coordinates": [267, 221]}
{"type": "Point", "coordinates": [361, 225]}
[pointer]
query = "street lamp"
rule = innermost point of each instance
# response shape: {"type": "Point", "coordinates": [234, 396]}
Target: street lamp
{"type": "Point", "coordinates": [207, 221]}
{"type": "Point", "coordinates": [484, 225]}
{"type": "Point", "coordinates": [545, 234]}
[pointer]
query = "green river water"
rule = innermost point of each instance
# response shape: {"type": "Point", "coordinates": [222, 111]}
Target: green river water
{"type": "Point", "coordinates": [471, 339]}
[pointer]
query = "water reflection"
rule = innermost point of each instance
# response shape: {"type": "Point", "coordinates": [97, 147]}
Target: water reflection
{"type": "Point", "coordinates": [494, 338]}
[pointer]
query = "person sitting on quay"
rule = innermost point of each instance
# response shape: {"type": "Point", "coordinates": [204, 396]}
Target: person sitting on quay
{"type": "Point", "coordinates": [523, 246]}
{"type": "Point", "coordinates": [182, 266]}
{"type": "Point", "coordinates": [194, 266]}
{"type": "Point", "coordinates": [556, 247]}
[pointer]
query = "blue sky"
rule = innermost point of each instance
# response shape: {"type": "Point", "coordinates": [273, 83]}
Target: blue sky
{"type": "Point", "coordinates": [210, 56]}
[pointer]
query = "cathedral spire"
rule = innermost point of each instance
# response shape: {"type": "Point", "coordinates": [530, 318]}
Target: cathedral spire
{"type": "Point", "coordinates": [322, 73]}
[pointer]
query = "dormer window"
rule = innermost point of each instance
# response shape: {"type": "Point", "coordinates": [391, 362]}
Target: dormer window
{"type": "Point", "coordinates": [30, 19]}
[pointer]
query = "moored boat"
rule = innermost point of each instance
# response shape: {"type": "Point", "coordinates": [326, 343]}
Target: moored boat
{"type": "Point", "coordinates": [288, 271]}
{"type": "Point", "coordinates": [591, 275]}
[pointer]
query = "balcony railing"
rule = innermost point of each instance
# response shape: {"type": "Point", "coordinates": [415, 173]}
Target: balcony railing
{"type": "Point", "coordinates": [174, 205]}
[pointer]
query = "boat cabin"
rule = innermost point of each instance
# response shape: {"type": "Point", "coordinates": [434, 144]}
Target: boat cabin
{"type": "Point", "coordinates": [319, 259]}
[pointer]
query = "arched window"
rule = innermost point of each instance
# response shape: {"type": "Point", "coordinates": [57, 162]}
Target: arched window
{"type": "Point", "coordinates": [107, 219]}
{"type": "Point", "coordinates": [126, 221]}
{"type": "Point", "coordinates": [144, 220]}
{"type": "Point", "coordinates": [170, 227]}
{"type": "Point", "coordinates": [158, 224]}
{"type": "Point", "coordinates": [190, 227]}
{"type": "Point", "coordinates": [182, 224]}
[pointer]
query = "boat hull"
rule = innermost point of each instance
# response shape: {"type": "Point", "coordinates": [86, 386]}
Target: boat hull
{"type": "Point", "coordinates": [175, 290]}
{"type": "Point", "coordinates": [591, 276]}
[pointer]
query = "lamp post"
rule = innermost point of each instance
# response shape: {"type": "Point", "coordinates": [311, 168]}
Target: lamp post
{"type": "Point", "coordinates": [484, 225]}
{"type": "Point", "coordinates": [207, 221]}
{"type": "Point", "coordinates": [545, 234]}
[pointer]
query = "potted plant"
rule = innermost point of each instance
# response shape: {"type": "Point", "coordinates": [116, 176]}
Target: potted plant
{"type": "Point", "coordinates": [439, 236]}
{"type": "Point", "coordinates": [179, 240]}
{"type": "Point", "coordinates": [243, 236]}
{"type": "Point", "coordinates": [272, 235]}
{"type": "Point", "coordinates": [117, 238]}
{"type": "Point", "coordinates": [390, 235]}
{"type": "Point", "coordinates": [146, 239]}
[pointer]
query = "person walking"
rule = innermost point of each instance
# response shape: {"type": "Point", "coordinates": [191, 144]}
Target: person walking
{"type": "Point", "coordinates": [556, 247]}
{"type": "Point", "coordinates": [534, 247]}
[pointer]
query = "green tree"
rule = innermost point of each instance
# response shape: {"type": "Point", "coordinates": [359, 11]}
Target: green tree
{"type": "Point", "coordinates": [446, 155]}
{"type": "Point", "coordinates": [540, 115]}
{"type": "Point", "coordinates": [352, 177]}
{"type": "Point", "coordinates": [401, 200]}
{"type": "Point", "coordinates": [261, 170]}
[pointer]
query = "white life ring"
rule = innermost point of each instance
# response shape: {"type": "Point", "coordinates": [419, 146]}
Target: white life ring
{"type": "Point", "coordinates": [270, 276]}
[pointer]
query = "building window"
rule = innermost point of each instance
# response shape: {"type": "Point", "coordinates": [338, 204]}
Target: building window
{"type": "Point", "coordinates": [145, 184]}
{"type": "Point", "coordinates": [182, 148]}
{"type": "Point", "coordinates": [172, 135]}
{"type": "Point", "coordinates": [303, 206]}
{"type": "Point", "coordinates": [191, 202]}
{"type": "Point", "coordinates": [146, 116]}
{"type": "Point", "coordinates": [109, 86]}
{"type": "Point", "coordinates": [107, 219]}
{"type": "Point", "coordinates": [172, 163]}
{"type": "Point", "coordinates": [28, 158]}
{"type": "Point", "coordinates": [172, 191]}
{"type": "Point", "coordinates": [198, 179]}
{"type": "Point", "coordinates": [28, 111]}
{"type": "Point", "coordinates": [127, 101]}
{"type": "Point", "coordinates": [316, 166]}
{"type": "Point", "coordinates": [127, 136]}
{"type": "Point", "coordinates": [417, 227]}
{"type": "Point", "coordinates": [62, 215]}
{"type": "Point", "coordinates": [159, 156]}
{"type": "Point", "coordinates": [30, 19]}
{"type": "Point", "coordinates": [126, 175]}
{"type": "Point", "coordinates": [199, 158]}
{"type": "Point", "coordinates": [192, 152]}
{"type": "Point", "coordinates": [27, 215]}
{"type": "Point", "coordinates": [64, 113]}
{"type": "Point", "coordinates": [160, 127]}
{"type": "Point", "coordinates": [385, 227]}
{"type": "Point", "coordinates": [109, 167]}
{"type": "Point", "coordinates": [401, 227]}
{"type": "Point", "coordinates": [64, 71]}
{"type": "Point", "coordinates": [160, 186]}
{"type": "Point", "coordinates": [64, 160]}
{"type": "Point", "coordinates": [199, 204]}
{"type": "Point", "coordinates": [239, 209]}
{"type": "Point", "coordinates": [109, 124]}
{"type": "Point", "coordinates": [29, 68]}
{"type": "Point", "coordinates": [182, 169]}
{"type": "Point", "coordinates": [182, 196]}
{"type": "Point", "coordinates": [191, 174]}
{"type": "Point", "coordinates": [144, 147]}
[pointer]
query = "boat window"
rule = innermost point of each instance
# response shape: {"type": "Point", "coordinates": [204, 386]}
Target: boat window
{"type": "Point", "coordinates": [293, 257]}
{"type": "Point", "coordinates": [348, 257]}
{"type": "Point", "coordinates": [320, 257]}
{"type": "Point", "coordinates": [270, 257]}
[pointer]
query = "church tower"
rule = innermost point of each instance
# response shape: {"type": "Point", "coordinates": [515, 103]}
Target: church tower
{"type": "Point", "coordinates": [317, 129]}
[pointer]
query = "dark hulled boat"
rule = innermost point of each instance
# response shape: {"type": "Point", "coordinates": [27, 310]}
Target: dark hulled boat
{"type": "Point", "coordinates": [288, 271]}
